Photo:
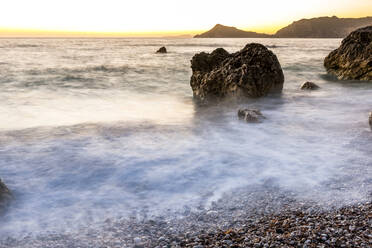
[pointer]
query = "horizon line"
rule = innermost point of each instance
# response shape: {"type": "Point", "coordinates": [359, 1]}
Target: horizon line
{"type": "Point", "coordinates": [10, 32]}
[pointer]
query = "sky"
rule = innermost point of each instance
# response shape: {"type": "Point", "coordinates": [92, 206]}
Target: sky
{"type": "Point", "coordinates": [162, 17]}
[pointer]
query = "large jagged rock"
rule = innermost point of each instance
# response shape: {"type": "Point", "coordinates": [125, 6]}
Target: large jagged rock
{"type": "Point", "coordinates": [252, 72]}
{"type": "Point", "coordinates": [5, 196]}
{"type": "Point", "coordinates": [353, 59]}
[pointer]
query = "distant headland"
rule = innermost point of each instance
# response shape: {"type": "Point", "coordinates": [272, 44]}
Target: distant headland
{"type": "Point", "coordinates": [221, 31]}
{"type": "Point", "coordinates": [321, 27]}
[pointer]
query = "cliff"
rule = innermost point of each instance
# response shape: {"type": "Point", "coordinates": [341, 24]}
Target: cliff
{"type": "Point", "coordinates": [323, 27]}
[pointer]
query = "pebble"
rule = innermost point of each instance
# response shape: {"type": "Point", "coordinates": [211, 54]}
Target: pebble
{"type": "Point", "coordinates": [137, 241]}
{"type": "Point", "coordinates": [296, 225]}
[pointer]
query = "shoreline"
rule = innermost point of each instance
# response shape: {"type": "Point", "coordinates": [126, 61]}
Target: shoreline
{"type": "Point", "coordinates": [346, 227]}
{"type": "Point", "coordinates": [276, 219]}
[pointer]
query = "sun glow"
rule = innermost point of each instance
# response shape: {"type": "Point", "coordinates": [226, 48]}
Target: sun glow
{"type": "Point", "coordinates": [163, 17]}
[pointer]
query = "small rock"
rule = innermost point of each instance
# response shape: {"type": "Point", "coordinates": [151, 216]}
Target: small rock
{"type": "Point", "coordinates": [137, 241]}
{"type": "Point", "coordinates": [250, 115]}
{"type": "Point", "coordinates": [228, 242]}
{"type": "Point", "coordinates": [212, 213]}
{"type": "Point", "coordinates": [370, 119]}
{"type": "Point", "coordinates": [309, 86]}
{"type": "Point", "coordinates": [352, 228]}
{"type": "Point", "coordinates": [5, 196]}
{"type": "Point", "coordinates": [162, 50]}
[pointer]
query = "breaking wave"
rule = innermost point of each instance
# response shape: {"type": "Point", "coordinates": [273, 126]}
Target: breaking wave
{"type": "Point", "coordinates": [111, 131]}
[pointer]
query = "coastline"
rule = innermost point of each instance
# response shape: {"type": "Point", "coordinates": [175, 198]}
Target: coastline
{"type": "Point", "coordinates": [277, 219]}
{"type": "Point", "coordinates": [346, 227]}
{"type": "Point", "coordinates": [333, 179]}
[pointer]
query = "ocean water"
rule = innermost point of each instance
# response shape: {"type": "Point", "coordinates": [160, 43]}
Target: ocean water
{"type": "Point", "coordinates": [105, 128]}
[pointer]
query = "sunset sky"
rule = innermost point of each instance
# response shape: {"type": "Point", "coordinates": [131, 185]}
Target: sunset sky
{"type": "Point", "coordinates": [162, 17]}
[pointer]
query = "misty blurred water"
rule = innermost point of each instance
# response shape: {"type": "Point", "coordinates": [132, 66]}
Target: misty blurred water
{"type": "Point", "coordinates": [98, 128]}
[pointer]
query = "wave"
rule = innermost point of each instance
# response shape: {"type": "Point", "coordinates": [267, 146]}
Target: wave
{"type": "Point", "coordinates": [107, 68]}
{"type": "Point", "coordinates": [68, 78]}
{"type": "Point", "coordinates": [26, 45]}
{"type": "Point", "coordinates": [88, 69]}
{"type": "Point", "coordinates": [301, 67]}
{"type": "Point", "coordinates": [329, 77]}
{"type": "Point", "coordinates": [20, 46]}
{"type": "Point", "coordinates": [182, 45]}
{"type": "Point", "coordinates": [98, 70]}
{"type": "Point", "coordinates": [275, 46]}
{"type": "Point", "coordinates": [209, 44]}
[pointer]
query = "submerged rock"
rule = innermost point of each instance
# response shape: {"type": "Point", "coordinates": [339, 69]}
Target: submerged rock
{"type": "Point", "coordinates": [309, 86]}
{"type": "Point", "coordinates": [5, 196]}
{"type": "Point", "coordinates": [162, 50]}
{"type": "Point", "coordinates": [252, 72]}
{"type": "Point", "coordinates": [250, 115]}
{"type": "Point", "coordinates": [353, 59]}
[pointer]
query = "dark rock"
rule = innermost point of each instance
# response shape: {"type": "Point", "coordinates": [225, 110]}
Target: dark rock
{"type": "Point", "coordinates": [252, 72]}
{"type": "Point", "coordinates": [353, 59]}
{"type": "Point", "coordinates": [309, 86]}
{"type": "Point", "coordinates": [250, 115]}
{"type": "Point", "coordinates": [370, 119]}
{"type": "Point", "coordinates": [221, 31]}
{"type": "Point", "coordinates": [162, 50]}
{"type": "Point", "coordinates": [5, 196]}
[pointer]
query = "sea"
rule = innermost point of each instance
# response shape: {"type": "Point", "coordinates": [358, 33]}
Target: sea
{"type": "Point", "coordinates": [97, 129]}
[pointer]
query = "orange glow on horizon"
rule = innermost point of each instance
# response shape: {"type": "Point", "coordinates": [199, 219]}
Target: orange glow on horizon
{"type": "Point", "coordinates": [145, 18]}
{"type": "Point", "coordinates": [9, 32]}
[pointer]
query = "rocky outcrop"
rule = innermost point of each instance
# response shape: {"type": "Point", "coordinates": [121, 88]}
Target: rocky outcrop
{"type": "Point", "coordinates": [252, 72]}
{"type": "Point", "coordinates": [250, 115]}
{"type": "Point", "coordinates": [323, 27]}
{"type": "Point", "coordinates": [319, 27]}
{"type": "Point", "coordinates": [162, 50]}
{"type": "Point", "coordinates": [309, 86]}
{"type": "Point", "coordinates": [353, 59]}
{"type": "Point", "coordinates": [221, 31]}
{"type": "Point", "coordinates": [5, 196]}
